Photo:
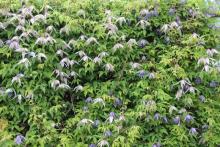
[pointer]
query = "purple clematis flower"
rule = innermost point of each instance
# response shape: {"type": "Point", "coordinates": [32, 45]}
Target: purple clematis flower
{"type": "Point", "coordinates": [89, 100]}
{"type": "Point", "coordinates": [176, 120]}
{"type": "Point", "coordinates": [111, 117]}
{"type": "Point", "coordinates": [107, 133]}
{"type": "Point", "coordinates": [156, 145]}
{"type": "Point", "coordinates": [213, 84]}
{"type": "Point", "coordinates": [96, 123]}
{"type": "Point", "coordinates": [193, 131]}
{"type": "Point", "coordinates": [188, 118]}
{"type": "Point", "coordinates": [198, 80]}
{"type": "Point", "coordinates": [19, 139]}
{"type": "Point", "coordinates": [142, 73]}
{"type": "Point", "coordinates": [92, 145]}
{"type": "Point", "coordinates": [202, 98]}
{"type": "Point", "coordinates": [117, 102]}
{"type": "Point", "coordinates": [165, 120]}
{"type": "Point", "coordinates": [157, 116]}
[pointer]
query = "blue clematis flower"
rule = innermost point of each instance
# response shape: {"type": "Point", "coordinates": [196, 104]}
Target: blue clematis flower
{"type": "Point", "coordinates": [107, 133]}
{"type": "Point", "coordinates": [157, 116]}
{"type": "Point", "coordinates": [202, 98]}
{"type": "Point", "coordinates": [193, 131]}
{"type": "Point", "coordinates": [118, 102]}
{"type": "Point", "coordinates": [92, 145]}
{"type": "Point", "coordinates": [19, 139]}
{"type": "Point", "coordinates": [96, 123]}
{"type": "Point", "coordinates": [176, 120]}
{"type": "Point", "coordinates": [188, 118]}
{"type": "Point", "coordinates": [89, 100]}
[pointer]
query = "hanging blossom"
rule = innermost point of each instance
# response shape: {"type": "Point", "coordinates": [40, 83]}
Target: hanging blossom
{"type": "Point", "coordinates": [17, 79]}
{"type": "Point", "coordinates": [19, 139]}
{"type": "Point", "coordinates": [193, 131]}
{"type": "Point", "coordinates": [72, 42]}
{"type": "Point", "coordinates": [188, 118]}
{"type": "Point", "coordinates": [99, 100]}
{"type": "Point", "coordinates": [73, 74]}
{"type": "Point", "coordinates": [85, 58]}
{"type": "Point", "coordinates": [121, 21]}
{"type": "Point", "coordinates": [38, 18]}
{"type": "Point", "coordinates": [97, 60]}
{"type": "Point", "coordinates": [81, 12]}
{"type": "Point", "coordinates": [142, 43]}
{"type": "Point", "coordinates": [81, 53]}
{"type": "Point", "coordinates": [85, 122]}
{"type": "Point", "coordinates": [165, 28]}
{"type": "Point", "coordinates": [13, 43]}
{"type": "Point", "coordinates": [131, 42]}
{"type": "Point", "coordinates": [19, 28]}
{"type": "Point", "coordinates": [55, 83]}
{"type": "Point", "coordinates": [78, 88]}
{"type": "Point", "coordinates": [25, 62]}
{"type": "Point", "coordinates": [103, 54]}
{"type": "Point", "coordinates": [50, 29]}
{"type": "Point", "coordinates": [65, 30]}
{"type": "Point", "coordinates": [61, 53]}
{"type": "Point", "coordinates": [10, 92]}
{"type": "Point", "coordinates": [66, 62]}
{"type": "Point", "coordinates": [111, 117]}
{"type": "Point", "coordinates": [91, 40]}
{"type": "Point", "coordinates": [117, 46]}
{"type": "Point", "coordinates": [109, 67]}
{"type": "Point", "coordinates": [135, 65]}
{"type": "Point", "coordinates": [143, 24]}
{"type": "Point", "coordinates": [63, 76]}
{"type": "Point", "coordinates": [111, 28]}
{"type": "Point", "coordinates": [211, 52]}
{"type": "Point", "coordinates": [103, 143]}
{"type": "Point", "coordinates": [63, 86]}
{"type": "Point", "coordinates": [41, 56]}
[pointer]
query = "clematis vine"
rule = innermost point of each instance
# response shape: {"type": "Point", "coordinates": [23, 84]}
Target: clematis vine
{"type": "Point", "coordinates": [121, 21]}
{"type": "Point", "coordinates": [17, 79]}
{"type": "Point", "coordinates": [19, 139]}
{"type": "Point", "coordinates": [109, 67]}
{"type": "Point", "coordinates": [117, 46]}
{"type": "Point", "coordinates": [143, 24]}
{"type": "Point", "coordinates": [24, 62]}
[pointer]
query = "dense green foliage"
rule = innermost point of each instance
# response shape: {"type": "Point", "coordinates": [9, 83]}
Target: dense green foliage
{"type": "Point", "coordinates": [112, 73]}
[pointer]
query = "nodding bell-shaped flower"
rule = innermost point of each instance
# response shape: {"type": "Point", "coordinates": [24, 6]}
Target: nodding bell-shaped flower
{"type": "Point", "coordinates": [174, 25]}
{"type": "Point", "coordinates": [157, 116]}
{"type": "Point", "coordinates": [117, 46]}
{"type": "Point", "coordinates": [1, 43]}
{"type": "Point", "coordinates": [27, 11]}
{"type": "Point", "coordinates": [131, 42]}
{"type": "Point", "coordinates": [61, 53]}
{"type": "Point", "coordinates": [65, 30]}
{"type": "Point", "coordinates": [165, 28]}
{"type": "Point", "coordinates": [92, 145]}
{"type": "Point", "coordinates": [25, 36]}
{"type": "Point", "coordinates": [25, 62]}
{"type": "Point", "coordinates": [111, 28]}
{"type": "Point", "coordinates": [172, 108]}
{"type": "Point", "coordinates": [13, 44]}
{"type": "Point", "coordinates": [109, 67]}
{"type": "Point", "coordinates": [143, 24]}
{"type": "Point", "coordinates": [78, 88]}
{"type": "Point", "coordinates": [103, 143]}
{"type": "Point", "coordinates": [55, 83]}
{"type": "Point", "coordinates": [19, 139]}
{"type": "Point", "coordinates": [172, 11]}
{"type": "Point", "coordinates": [63, 86]}
{"type": "Point", "coordinates": [81, 53]}
{"type": "Point", "coordinates": [144, 12]}
{"type": "Point", "coordinates": [38, 18]}
{"type": "Point", "coordinates": [81, 13]}
{"type": "Point", "coordinates": [193, 131]}
{"type": "Point", "coordinates": [85, 122]}
{"type": "Point", "coordinates": [99, 100]}
{"type": "Point", "coordinates": [204, 61]}
{"type": "Point", "coordinates": [19, 28]}
{"type": "Point", "coordinates": [73, 74]}
{"type": "Point", "coordinates": [91, 40]}
{"type": "Point", "coordinates": [10, 92]}
{"type": "Point", "coordinates": [72, 42]}
{"type": "Point", "coordinates": [89, 100]}
{"type": "Point", "coordinates": [179, 94]}
{"type": "Point", "coordinates": [41, 56]}
{"type": "Point", "coordinates": [111, 117]}
{"type": "Point", "coordinates": [41, 41]}
{"type": "Point", "coordinates": [176, 120]}
{"type": "Point", "coordinates": [103, 54]}
{"type": "Point", "coordinates": [107, 133]}
{"type": "Point", "coordinates": [121, 20]}
{"type": "Point", "coordinates": [156, 145]}
{"type": "Point", "coordinates": [135, 65]}
{"type": "Point", "coordinates": [202, 98]}
{"type": "Point", "coordinates": [97, 60]}
{"type": "Point", "coordinates": [188, 118]}
{"type": "Point", "coordinates": [211, 52]}
{"type": "Point", "coordinates": [142, 73]}
{"type": "Point", "coordinates": [31, 54]}
{"type": "Point", "coordinates": [17, 79]}
{"type": "Point", "coordinates": [151, 75]}
{"type": "Point", "coordinates": [142, 43]}
{"type": "Point", "coordinates": [66, 62]}
{"type": "Point", "coordinates": [50, 29]}
{"type": "Point", "coordinates": [21, 50]}
{"type": "Point", "coordinates": [2, 26]}
{"type": "Point", "coordinates": [85, 58]}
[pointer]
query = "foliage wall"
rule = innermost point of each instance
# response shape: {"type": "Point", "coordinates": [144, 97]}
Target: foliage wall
{"type": "Point", "coordinates": [108, 73]}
